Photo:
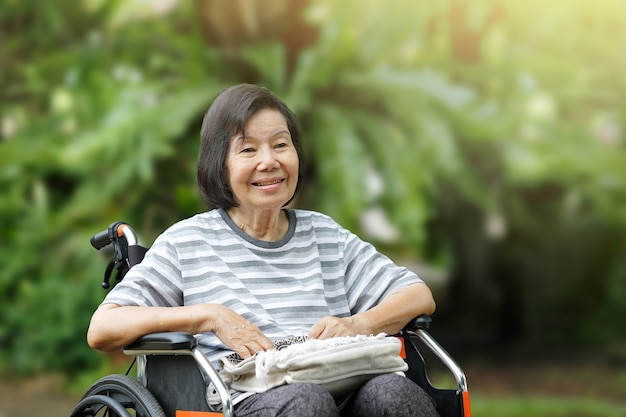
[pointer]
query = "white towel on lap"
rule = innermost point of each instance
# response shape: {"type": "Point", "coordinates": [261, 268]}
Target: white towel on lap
{"type": "Point", "coordinates": [340, 364]}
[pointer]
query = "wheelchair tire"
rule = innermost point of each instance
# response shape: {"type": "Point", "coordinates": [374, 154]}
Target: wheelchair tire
{"type": "Point", "coordinates": [115, 395]}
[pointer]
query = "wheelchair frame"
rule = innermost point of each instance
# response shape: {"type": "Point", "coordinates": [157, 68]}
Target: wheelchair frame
{"type": "Point", "coordinates": [174, 355]}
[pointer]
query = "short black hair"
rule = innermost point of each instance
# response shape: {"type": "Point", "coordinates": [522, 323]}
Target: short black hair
{"type": "Point", "coordinates": [225, 119]}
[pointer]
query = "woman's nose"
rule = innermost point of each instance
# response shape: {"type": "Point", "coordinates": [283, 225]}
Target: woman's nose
{"type": "Point", "coordinates": [267, 159]}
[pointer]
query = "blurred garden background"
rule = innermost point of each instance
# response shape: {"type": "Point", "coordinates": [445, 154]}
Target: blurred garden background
{"type": "Point", "coordinates": [479, 142]}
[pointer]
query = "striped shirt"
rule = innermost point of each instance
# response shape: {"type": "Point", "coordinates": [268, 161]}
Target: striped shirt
{"type": "Point", "coordinates": [317, 269]}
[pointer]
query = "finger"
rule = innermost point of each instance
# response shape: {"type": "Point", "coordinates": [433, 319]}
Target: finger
{"type": "Point", "coordinates": [327, 333]}
{"type": "Point", "coordinates": [254, 347]}
{"type": "Point", "coordinates": [244, 352]}
{"type": "Point", "coordinates": [260, 341]}
{"type": "Point", "coordinates": [316, 330]}
{"type": "Point", "coordinates": [335, 328]}
{"type": "Point", "coordinates": [266, 344]}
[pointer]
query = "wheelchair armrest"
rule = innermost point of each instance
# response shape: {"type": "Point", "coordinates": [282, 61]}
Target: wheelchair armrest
{"type": "Point", "coordinates": [419, 322]}
{"type": "Point", "coordinates": [163, 342]}
{"type": "Point", "coordinates": [156, 345]}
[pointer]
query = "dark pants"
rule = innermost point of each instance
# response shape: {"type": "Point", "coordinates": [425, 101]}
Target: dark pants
{"type": "Point", "coordinates": [382, 396]}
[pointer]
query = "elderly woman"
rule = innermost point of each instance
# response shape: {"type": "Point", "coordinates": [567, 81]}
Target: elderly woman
{"type": "Point", "coordinates": [251, 271]}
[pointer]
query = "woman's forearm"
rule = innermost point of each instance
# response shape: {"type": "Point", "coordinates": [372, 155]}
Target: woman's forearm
{"type": "Point", "coordinates": [389, 316]}
{"type": "Point", "coordinates": [112, 327]}
{"type": "Point", "coordinates": [395, 311]}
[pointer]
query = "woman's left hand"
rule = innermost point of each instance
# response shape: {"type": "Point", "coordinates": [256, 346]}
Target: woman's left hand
{"type": "Point", "coordinates": [389, 316]}
{"type": "Point", "coordinates": [330, 326]}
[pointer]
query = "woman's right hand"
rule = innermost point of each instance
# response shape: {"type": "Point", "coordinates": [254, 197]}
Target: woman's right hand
{"type": "Point", "coordinates": [238, 333]}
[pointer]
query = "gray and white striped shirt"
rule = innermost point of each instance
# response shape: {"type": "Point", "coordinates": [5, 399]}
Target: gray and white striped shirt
{"type": "Point", "coordinates": [284, 287]}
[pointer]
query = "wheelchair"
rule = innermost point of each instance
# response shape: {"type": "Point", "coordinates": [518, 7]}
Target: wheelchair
{"type": "Point", "coordinates": [173, 374]}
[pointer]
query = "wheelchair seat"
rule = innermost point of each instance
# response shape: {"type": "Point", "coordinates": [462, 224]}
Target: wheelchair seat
{"type": "Point", "coordinates": [173, 374]}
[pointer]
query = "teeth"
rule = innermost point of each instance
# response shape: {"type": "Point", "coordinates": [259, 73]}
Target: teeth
{"type": "Point", "coordinates": [268, 183]}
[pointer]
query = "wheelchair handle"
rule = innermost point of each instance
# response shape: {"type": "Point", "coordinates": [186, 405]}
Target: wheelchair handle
{"type": "Point", "coordinates": [124, 241]}
{"type": "Point", "coordinates": [115, 231]}
{"type": "Point", "coordinates": [100, 239]}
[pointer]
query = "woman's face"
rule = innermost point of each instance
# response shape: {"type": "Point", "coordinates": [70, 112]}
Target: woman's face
{"type": "Point", "coordinates": [262, 167]}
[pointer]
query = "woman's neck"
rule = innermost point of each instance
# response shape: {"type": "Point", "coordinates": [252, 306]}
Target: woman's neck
{"type": "Point", "coordinates": [268, 225]}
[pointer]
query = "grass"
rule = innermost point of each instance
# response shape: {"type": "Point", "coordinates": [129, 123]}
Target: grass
{"type": "Point", "coordinates": [545, 407]}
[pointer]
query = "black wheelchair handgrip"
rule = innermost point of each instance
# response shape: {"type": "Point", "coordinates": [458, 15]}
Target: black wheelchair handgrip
{"type": "Point", "coordinates": [100, 239]}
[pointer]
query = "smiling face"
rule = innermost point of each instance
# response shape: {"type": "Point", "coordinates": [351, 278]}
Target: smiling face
{"type": "Point", "coordinates": [262, 166]}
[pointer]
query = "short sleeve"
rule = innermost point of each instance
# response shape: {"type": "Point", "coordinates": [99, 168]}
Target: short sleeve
{"type": "Point", "coordinates": [156, 281]}
{"type": "Point", "coordinates": [370, 275]}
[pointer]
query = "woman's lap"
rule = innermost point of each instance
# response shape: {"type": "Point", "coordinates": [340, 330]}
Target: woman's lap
{"type": "Point", "coordinates": [390, 395]}
{"type": "Point", "coordinates": [384, 395]}
{"type": "Point", "coordinates": [298, 400]}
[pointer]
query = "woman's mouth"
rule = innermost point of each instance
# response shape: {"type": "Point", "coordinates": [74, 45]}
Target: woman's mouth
{"type": "Point", "coordinates": [268, 182]}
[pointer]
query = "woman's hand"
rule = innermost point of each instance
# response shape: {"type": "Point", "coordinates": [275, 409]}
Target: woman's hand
{"type": "Point", "coordinates": [389, 316]}
{"type": "Point", "coordinates": [239, 334]}
{"type": "Point", "coordinates": [330, 326]}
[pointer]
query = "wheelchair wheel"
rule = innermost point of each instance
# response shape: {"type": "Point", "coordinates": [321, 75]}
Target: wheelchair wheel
{"type": "Point", "coordinates": [118, 395]}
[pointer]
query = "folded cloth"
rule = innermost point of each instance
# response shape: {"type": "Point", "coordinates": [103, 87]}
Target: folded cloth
{"type": "Point", "coordinates": [340, 364]}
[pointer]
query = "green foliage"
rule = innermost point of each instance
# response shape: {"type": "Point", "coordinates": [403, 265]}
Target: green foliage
{"type": "Point", "coordinates": [491, 134]}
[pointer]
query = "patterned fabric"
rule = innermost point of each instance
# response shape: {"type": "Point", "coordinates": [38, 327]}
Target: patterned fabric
{"type": "Point", "coordinates": [280, 344]}
{"type": "Point", "coordinates": [283, 287]}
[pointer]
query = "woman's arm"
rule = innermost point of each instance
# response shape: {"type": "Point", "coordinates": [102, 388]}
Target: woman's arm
{"type": "Point", "coordinates": [389, 316]}
{"type": "Point", "coordinates": [112, 326]}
